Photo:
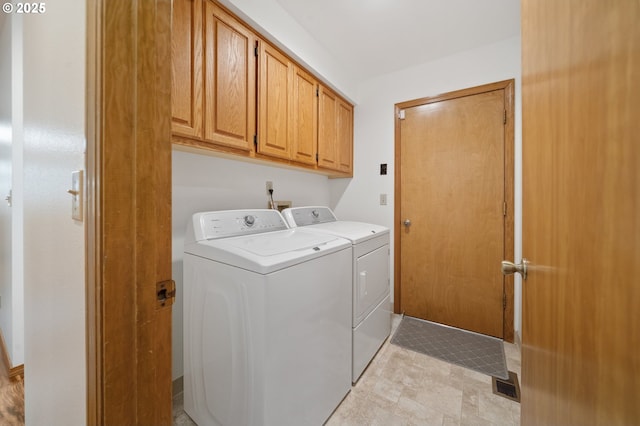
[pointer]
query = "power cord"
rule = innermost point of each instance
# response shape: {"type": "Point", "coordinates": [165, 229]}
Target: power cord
{"type": "Point", "coordinates": [273, 204]}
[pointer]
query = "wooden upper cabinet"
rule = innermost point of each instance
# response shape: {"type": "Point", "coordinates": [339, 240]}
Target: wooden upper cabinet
{"type": "Point", "coordinates": [229, 80]}
{"type": "Point", "coordinates": [225, 77]}
{"type": "Point", "coordinates": [335, 132]}
{"type": "Point", "coordinates": [186, 69]}
{"type": "Point", "coordinates": [274, 95]}
{"type": "Point", "coordinates": [304, 117]}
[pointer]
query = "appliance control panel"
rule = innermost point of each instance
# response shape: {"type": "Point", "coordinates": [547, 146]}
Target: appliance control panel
{"type": "Point", "coordinates": [231, 223]}
{"type": "Point", "coordinates": [303, 216]}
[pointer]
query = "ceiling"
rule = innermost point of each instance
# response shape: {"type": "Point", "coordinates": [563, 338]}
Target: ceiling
{"type": "Point", "coordinates": [375, 37]}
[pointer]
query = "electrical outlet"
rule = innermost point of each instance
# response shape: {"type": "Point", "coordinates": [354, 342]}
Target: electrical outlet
{"type": "Point", "coordinates": [383, 199]}
{"type": "Point", "coordinates": [269, 186]}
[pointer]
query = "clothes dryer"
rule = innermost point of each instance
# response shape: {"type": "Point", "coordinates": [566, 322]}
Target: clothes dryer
{"type": "Point", "coordinates": [371, 314]}
{"type": "Point", "coordinates": [267, 320]}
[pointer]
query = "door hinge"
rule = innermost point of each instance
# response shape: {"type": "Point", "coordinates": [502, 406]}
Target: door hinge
{"type": "Point", "coordinates": [255, 49]}
{"type": "Point", "coordinates": [317, 92]}
{"type": "Point", "coordinates": [504, 117]}
{"type": "Point", "coordinates": [504, 208]}
{"type": "Point", "coordinates": [165, 293]}
{"type": "Point", "coordinates": [317, 158]}
{"type": "Point", "coordinates": [401, 114]}
{"type": "Point", "coordinates": [255, 142]}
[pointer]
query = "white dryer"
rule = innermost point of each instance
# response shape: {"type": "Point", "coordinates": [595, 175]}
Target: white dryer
{"type": "Point", "coordinates": [371, 320]}
{"type": "Point", "coordinates": [267, 320]}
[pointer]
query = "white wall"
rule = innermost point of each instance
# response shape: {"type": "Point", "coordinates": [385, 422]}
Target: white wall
{"type": "Point", "coordinates": [54, 284]}
{"type": "Point", "coordinates": [358, 199]}
{"type": "Point", "coordinates": [204, 183]}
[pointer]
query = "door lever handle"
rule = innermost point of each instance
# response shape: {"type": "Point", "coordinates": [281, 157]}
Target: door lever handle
{"type": "Point", "coordinates": [509, 268]}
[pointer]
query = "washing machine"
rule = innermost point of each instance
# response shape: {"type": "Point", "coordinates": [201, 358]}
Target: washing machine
{"type": "Point", "coordinates": [371, 312]}
{"type": "Point", "coordinates": [267, 320]}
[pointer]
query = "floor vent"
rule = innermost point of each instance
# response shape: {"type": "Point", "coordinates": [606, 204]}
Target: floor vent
{"type": "Point", "coordinates": [509, 389]}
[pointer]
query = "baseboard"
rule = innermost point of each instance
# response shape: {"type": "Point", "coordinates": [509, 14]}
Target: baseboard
{"type": "Point", "coordinates": [178, 385]}
{"type": "Point", "coordinates": [15, 373]}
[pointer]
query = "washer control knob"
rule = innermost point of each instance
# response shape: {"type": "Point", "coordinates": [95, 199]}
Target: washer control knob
{"type": "Point", "coordinates": [249, 220]}
{"type": "Point", "coordinates": [315, 213]}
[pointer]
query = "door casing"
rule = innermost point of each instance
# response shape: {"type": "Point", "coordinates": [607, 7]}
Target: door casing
{"type": "Point", "coordinates": [128, 232]}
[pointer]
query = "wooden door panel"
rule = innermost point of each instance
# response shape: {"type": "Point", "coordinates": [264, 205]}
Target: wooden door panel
{"type": "Point", "coordinates": [304, 117]}
{"type": "Point", "coordinates": [186, 76]}
{"type": "Point", "coordinates": [327, 130]}
{"type": "Point", "coordinates": [453, 191]}
{"type": "Point", "coordinates": [275, 77]}
{"type": "Point", "coordinates": [345, 137]}
{"type": "Point", "coordinates": [581, 186]}
{"type": "Point", "coordinates": [229, 80]}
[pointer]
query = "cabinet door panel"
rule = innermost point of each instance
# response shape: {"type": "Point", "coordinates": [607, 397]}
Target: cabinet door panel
{"type": "Point", "coordinates": [186, 68]}
{"type": "Point", "coordinates": [327, 131]}
{"type": "Point", "coordinates": [229, 80]}
{"type": "Point", "coordinates": [345, 137]}
{"type": "Point", "coordinates": [274, 97]}
{"type": "Point", "coordinates": [304, 117]}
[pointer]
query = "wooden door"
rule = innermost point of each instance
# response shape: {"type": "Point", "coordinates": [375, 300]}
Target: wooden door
{"type": "Point", "coordinates": [276, 75]}
{"type": "Point", "coordinates": [304, 117]}
{"type": "Point", "coordinates": [344, 136]}
{"type": "Point", "coordinates": [230, 80]}
{"type": "Point", "coordinates": [186, 63]}
{"type": "Point", "coordinates": [581, 216]}
{"type": "Point", "coordinates": [327, 129]}
{"type": "Point", "coordinates": [453, 178]}
{"type": "Point", "coordinates": [128, 213]}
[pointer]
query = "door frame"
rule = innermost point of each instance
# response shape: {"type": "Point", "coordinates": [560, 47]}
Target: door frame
{"type": "Point", "coordinates": [509, 133]}
{"type": "Point", "coordinates": [128, 158]}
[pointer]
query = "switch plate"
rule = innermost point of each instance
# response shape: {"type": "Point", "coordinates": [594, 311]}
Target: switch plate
{"type": "Point", "coordinates": [76, 192]}
{"type": "Point", "coordinates": [383, 199]}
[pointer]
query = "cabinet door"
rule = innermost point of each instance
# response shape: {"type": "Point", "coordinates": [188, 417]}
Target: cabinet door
{"type": "Point", "coordinates": [304, 121]}
{"type": "Point", "coordinates": [274, 95]}
{"type": "Point", "coordinates": [229, 63]}
{"type": "Point", "coordinates": [327, 129]}
{"type": "Point", "coordinates": [345, 137]}
{"type": "Point", "coordinates": [186, 68]}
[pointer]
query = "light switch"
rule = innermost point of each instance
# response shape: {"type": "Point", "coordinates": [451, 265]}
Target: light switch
{"type": "Point", "coordinates": [383, 199]}
{"type": "Point", "coordinates": [76, 192]}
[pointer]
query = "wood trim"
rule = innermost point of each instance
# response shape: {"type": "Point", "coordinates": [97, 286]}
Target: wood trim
{"type": "Point", "coordinates": [14, 372]}
{"type": "Point", "coordinates": [128, 170]}
{"type": "Point", "coordinates": [93, 236]}
{"type": "Point", "coordinates": [509, 229]}
{"type": "Point", "coordinates": [508, 87]}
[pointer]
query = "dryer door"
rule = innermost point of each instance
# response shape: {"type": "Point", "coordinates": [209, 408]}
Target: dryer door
{"type": "Point", "coordinates": [371, 282]}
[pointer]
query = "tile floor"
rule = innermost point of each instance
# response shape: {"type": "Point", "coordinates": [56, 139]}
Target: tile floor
{"type": "Point", "coordinates": [401, 387]}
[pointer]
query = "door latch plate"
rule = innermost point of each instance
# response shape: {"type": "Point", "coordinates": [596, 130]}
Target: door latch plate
{"type": "Point", "coordinates": [165, 293]}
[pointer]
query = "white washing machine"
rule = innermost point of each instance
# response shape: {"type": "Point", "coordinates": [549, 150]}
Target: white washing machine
{"type": "Point", "coordinates": [371, 321]}
{"type": "Point", "coordinates": [267, 320]}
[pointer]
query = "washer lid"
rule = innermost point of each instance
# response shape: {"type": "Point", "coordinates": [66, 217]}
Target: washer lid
{"type": "Point", "coordinates": [310, 215]}
{"type": "Point", "coordinates": [356, 232]}
{"type": "Point", "coordinates": [268, 252]}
